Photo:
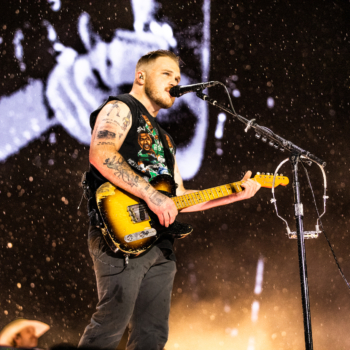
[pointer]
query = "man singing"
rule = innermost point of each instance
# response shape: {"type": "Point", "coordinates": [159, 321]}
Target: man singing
{"type": "Point", "coordinates": [139, 294]}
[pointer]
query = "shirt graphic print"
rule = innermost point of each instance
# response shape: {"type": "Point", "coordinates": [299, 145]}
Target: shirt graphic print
{"type": "Point", "coordinates": [150, 158]}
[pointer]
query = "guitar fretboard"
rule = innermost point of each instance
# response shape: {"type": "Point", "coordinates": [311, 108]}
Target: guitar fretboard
{"type": "Point", "coordinates": [187, 200]}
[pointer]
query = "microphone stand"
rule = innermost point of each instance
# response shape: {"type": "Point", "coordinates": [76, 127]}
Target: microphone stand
{"type": "Point", "coordinates": [296, 152]}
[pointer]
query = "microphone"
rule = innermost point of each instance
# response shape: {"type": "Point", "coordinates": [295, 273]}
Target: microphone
{"type": "Point", "coordinates": [178, 90]}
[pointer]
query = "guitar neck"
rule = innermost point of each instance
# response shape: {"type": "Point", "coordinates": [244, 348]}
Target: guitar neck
{"type": "Point", "coordinates": [190, 199]}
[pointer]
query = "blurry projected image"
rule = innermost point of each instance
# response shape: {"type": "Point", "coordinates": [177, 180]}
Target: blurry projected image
{"type": "Point", "coordinates": [80, 81]}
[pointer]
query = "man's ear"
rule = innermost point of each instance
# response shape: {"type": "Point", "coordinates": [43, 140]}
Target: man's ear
{"type": "Point", "coordinates": [140, 77]}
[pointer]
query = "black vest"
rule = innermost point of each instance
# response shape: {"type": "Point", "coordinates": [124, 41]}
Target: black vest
{"type": "Point", "coordinates": [147, 148]}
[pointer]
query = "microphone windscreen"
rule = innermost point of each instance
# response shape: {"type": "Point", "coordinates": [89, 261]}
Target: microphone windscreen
{"type": "Point", "coordinates": [175, 91]}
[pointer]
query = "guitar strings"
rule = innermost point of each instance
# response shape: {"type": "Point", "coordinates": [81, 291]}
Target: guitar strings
{"type": "Point", "coordinates": [143, 208]}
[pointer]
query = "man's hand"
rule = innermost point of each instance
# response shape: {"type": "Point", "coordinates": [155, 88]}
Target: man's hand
{"type": "Point", "coordinates": [163, 207]}
{"type": "Point", "coordinates": [250, 187]}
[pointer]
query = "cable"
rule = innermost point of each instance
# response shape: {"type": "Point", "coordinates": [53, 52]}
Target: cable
{"type": "Point", "coordinates": [125, 265]}
{"type": "Point", "coordinates": [274, 200]}
{"type": "Point", "coordinates": [110, 265]}
{"type": "Point", "coordinates": [229, 97]}
{"type": "Point", "coordinates": [319, 219]}
{"type": "Point", "coordinates": [267, 130]}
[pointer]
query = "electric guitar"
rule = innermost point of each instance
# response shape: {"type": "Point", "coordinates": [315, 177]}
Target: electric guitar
{"type": "Point", "coordinates": [130, 226]}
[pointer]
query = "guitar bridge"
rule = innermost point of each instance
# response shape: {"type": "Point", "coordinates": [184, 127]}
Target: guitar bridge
{"type": "Point", "coordinates": [138, 213]}
{"type": "Point", "coordinates": [140, 235]}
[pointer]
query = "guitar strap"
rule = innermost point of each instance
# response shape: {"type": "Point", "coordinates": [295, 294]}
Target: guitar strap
{"type": "Point", "coordinates": [169, 158]}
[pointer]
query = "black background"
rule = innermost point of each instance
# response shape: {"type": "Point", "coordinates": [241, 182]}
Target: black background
{"type": "Point", "coordinates": [295, 52]}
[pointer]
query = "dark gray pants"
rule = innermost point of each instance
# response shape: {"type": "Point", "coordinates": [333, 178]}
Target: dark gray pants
{"type": "Point", "coordinates": [138, 296]}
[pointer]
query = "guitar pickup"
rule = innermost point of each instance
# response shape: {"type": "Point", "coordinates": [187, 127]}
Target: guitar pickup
{"type": "Point", "coordinates": [138, 213]}
{"type": "Point", "coordinates": [140, 235]}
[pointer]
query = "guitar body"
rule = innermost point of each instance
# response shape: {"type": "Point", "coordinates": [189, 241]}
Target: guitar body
{"type": "Point", "coordinates": [128, 223]}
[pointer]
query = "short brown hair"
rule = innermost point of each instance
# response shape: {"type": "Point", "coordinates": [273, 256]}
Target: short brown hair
{"type": "Point", "coordinates": [153, 55]}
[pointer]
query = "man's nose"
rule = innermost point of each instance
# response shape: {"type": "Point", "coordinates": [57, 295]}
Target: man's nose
{"type": "Point", "coordinates": [174, 82]}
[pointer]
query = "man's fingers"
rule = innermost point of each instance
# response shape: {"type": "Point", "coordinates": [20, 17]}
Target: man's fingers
{"type": "Point", "coordinates": [166, 212]}
{"type": "Point", "coordinates": [161, 219]}
{"type": "Point", "coordinates": [173, 217]}
{"type": "Point", "coordinates": [251, 187]}
{"type": "Point", "coordinates": [249, 183]}
{"type": "Point", "coordinates": [247, 175]}
{"type": "Point", "coordinates": [166, 219]}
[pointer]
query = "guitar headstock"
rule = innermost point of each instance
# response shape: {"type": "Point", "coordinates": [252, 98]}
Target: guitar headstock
{"type": "Point", "coordinates": [266, 180]}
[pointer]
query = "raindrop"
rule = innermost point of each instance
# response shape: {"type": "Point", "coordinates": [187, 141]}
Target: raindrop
{"type": "Point", "coordinates": [52, 138]}
{"type": "Point", "coordinates": [270, 102]}
{"type": "Point", "coordinates": [236, 93]}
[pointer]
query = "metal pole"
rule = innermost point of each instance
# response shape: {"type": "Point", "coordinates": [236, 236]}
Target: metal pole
{"type": "Point", "coordinates": [299, 214]}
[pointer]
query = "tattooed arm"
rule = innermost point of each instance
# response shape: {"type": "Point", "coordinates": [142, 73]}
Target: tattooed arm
{"type": "Point", "coordinates": [112, 126]}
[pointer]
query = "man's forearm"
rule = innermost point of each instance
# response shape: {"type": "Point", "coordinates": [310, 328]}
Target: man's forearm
{"type": "Point", "coordinates": [116, 170]}
{"type": "Point", "coordinates": [250, 188]}
{"type": "Point", "coordinates": [207, 205]}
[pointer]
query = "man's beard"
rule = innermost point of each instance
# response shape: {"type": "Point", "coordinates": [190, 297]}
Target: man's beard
{"type": "Point", "coordinates": [155, 96]}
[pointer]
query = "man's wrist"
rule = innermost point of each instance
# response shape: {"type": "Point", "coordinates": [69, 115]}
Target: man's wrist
{"type": "Point", "coordinates": [148, 191]}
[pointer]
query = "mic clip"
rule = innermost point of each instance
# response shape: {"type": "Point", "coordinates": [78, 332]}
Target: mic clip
{"type": "Point", "coordinates": [249, 125]}
{"type": "Point", "coordinates": [307, 234]}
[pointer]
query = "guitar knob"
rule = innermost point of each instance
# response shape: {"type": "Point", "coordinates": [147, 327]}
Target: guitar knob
{"type": "Point", "coordinates": [257, 173]}
{"type": "Point", "coordinates": [268, 174]}
{"type": "Point", "coordinates": [262, 173]}
{"type": "Point", "coordinates": [281, 174]}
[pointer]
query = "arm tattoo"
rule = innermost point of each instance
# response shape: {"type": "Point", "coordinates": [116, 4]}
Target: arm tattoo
{"type": "Point", "coordinates": [110, 121]}
{"type": "Point", "coordinates": [114, 105]}
{"type": "Point", "coordinates": [157, 198]}
{"type": "Point", "coordinates": [102, 143]}
{"type": "Point", "coordinates": [106, 134]}
{"type": "Point", "coordinates": [123, 171]}
{"type": "Point", "coordinates": [126, 121]}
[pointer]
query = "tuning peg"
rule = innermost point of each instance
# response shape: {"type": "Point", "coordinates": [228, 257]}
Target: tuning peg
{"type": "Point", "coordinates": [257, 173]}
{"type": "Point", "coordinates": [276, 146]}
{"type": "Point", "coordinates": [271, 143]}
{"type": "Point", "coordinates": [264, 139]}
{"type": "Point", "coordinates": [257, 135]}
{"type": "Point", "coordinates": [262, 173]}
{"type": "Point", "coordinates": [281, 174]}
